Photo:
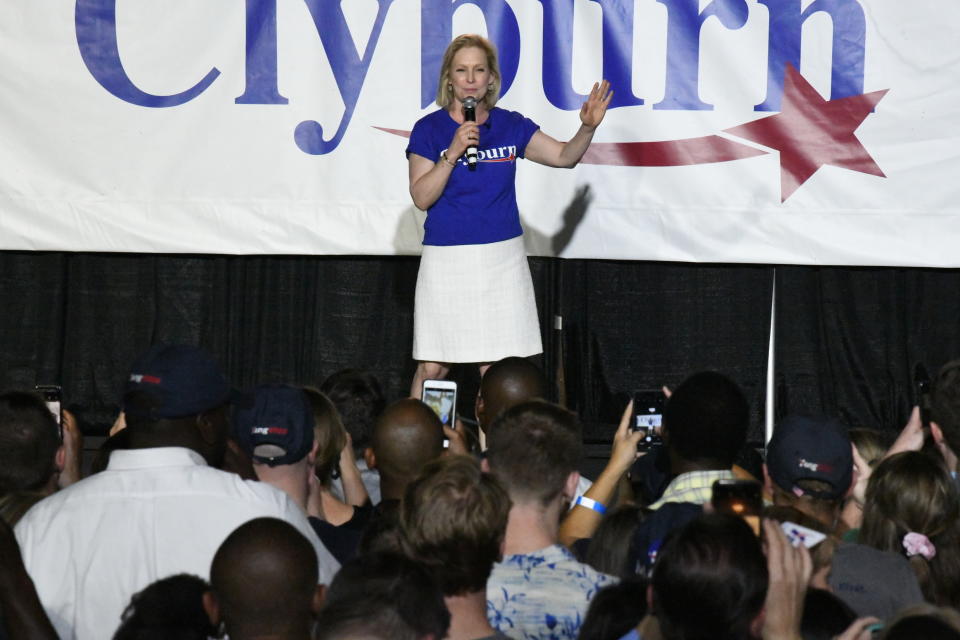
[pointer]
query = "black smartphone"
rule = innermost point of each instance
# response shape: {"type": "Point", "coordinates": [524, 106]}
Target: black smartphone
{"type": "Point", "coordinates": [52, 396]}
{"type": "Point", "coordinates": [742, 498]}
{"type": "Point", "coordinates": [648, 416]}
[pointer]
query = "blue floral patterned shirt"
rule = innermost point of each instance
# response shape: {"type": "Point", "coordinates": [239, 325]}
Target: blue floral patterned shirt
{"type": "Point", "coordinates": [542, 595]}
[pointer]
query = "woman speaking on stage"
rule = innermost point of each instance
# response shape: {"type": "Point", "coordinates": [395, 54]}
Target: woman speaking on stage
{"type": "Point", "coordinates": [474, 299]}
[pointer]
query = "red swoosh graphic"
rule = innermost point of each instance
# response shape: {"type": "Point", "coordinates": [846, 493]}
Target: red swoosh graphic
{"type": "Point", "coordinates": [669, 153]}
{"type": "Point", "coordinates": [664, 153]}
{"type": "Point", "coordinates": [396, 132]}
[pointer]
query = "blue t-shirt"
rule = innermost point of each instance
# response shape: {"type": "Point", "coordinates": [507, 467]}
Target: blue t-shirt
{"type": "Point", "coordinates": [476, 207]}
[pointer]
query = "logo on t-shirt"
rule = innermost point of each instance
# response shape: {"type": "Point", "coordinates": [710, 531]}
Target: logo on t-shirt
{"type": "Point", "coordinates": [506, 153]}
{"type": "Point", "coordinates": [498, 154]}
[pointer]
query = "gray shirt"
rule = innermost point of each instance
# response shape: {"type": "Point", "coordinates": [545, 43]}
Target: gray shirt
{"type": "Point", "coordinates": [873, 582]}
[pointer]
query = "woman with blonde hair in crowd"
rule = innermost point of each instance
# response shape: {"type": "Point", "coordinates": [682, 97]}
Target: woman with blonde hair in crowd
{"type": "Point", "coordinates": [869, 448]}
{"type": "Point", "coordinates": [912, 507]}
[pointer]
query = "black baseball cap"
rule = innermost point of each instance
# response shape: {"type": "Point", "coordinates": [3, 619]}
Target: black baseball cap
{"type": "Point", "coordinates": [178, 380]}
{"type": "Point", "coordinates": [811, 448]}
{"type": "Point", "coordinates": [274, 424]}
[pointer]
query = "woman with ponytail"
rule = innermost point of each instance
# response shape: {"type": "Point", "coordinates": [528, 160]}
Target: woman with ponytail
{"type": "Point", "coordinates": [912, 507]}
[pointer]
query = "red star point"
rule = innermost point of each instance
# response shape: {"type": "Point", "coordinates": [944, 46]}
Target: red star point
{"type": "Point", "coordinates": [811, 132]}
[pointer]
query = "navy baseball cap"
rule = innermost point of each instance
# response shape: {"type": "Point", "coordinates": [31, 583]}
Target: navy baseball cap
{"type": "Point", "coordinates": [179, 380]}
{"type": "Point", "coordinates": [274, 424]}
{"type": "Point", "coordinates": [811, 448]}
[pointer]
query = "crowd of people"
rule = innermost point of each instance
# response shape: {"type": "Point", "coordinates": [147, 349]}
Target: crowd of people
{"type": "Point", "coordinates": [332, 513]}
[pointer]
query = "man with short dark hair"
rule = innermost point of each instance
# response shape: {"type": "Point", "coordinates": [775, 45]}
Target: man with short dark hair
{"type": "Point", "coordinates": [705, 424]}
{"type": "Point", "coordinates": [538, 590]}
{"type": "Point", "coordinates": [34, 460]}
{"type": "Point", "coordinates": [407, 435]}
{"type": "Point", "coordinates": [160, 507]}
{"type": "Point", "coordinates": [506, 383]}
{"type": "Point", "coordinates": [383, 596]}
{"type": "Point", "coordinates": [30, 451]}
{"type": "Point", "coordinates": [453, 519]}
{"type": "Point", "coordinates": [263, 583]}
{"type": "Point", "coordinates": [710, 580]}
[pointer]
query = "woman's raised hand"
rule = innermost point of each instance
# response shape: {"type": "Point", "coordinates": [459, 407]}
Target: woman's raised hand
{"type": "Point", "coordinates": [593, 110]}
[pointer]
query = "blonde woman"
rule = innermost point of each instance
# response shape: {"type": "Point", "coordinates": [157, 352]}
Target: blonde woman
{"type": "Point", "coordinates": [474, 300]}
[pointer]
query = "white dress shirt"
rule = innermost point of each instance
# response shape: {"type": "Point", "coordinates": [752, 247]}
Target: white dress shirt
{"type": "Point", "coordinates": [151, 514]}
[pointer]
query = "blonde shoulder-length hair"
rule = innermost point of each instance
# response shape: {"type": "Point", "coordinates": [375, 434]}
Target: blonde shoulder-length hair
{"type": "Point", "coordinates": [444, 91]}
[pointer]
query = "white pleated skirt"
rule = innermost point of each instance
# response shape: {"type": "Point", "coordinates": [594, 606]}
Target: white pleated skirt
{"type": "Point", "coordinates": [475, 303]}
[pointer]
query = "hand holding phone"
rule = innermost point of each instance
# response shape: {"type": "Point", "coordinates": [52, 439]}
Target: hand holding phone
{"type": "Point", "coordinates": [52, 396]}
{"type": "Point", "coordinates": [648, 417]}
{"type": "Point", "coordinates": [441, 396]}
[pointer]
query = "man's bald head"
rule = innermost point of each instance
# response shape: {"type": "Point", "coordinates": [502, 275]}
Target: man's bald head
{"type": "Point", "coordinates": [506, 384]}
{"type": "Point", "coordinates": [264, 578]}
{"type": "Point", "coordinates": [406, 437]}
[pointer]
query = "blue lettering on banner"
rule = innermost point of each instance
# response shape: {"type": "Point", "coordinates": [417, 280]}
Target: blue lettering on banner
{"type": "Point", "coordinates": [849, 34]}
{"type": "Point", "coordinates": [349, 69]}
{"type": "Point", "coordinates": [261, 60]}
{"type": "Point", "coordinates": [617, 29]}
{"type": "Point", "coordinates": [436, 26]}
{"type": "Point", "coordinates": [684, 23]}
{"type": "Point", "coordinates": [96, 32]}
{"type": "Point", "coordinates": [96, 25]}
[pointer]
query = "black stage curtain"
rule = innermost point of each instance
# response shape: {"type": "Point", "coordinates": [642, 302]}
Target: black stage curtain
{"type": "Point", "coordinates": [847, 338]}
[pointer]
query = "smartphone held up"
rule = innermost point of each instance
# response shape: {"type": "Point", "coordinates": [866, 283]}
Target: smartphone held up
{"type": "Point", "coordinates": [441, 396]}
{"type": "Point", "coordinates": [648, 417]}
{"type": "Point", "coordinates": [742, 498]}
{"type": "Point", "coordinates": [52, 396]}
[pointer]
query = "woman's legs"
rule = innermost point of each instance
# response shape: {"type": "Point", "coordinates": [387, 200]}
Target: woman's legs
{"type": "Point", "coordinates": [427, 371]}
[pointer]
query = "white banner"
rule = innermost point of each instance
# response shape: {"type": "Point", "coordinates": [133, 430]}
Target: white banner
{"type": "Point", "coordinates": [770, 131]}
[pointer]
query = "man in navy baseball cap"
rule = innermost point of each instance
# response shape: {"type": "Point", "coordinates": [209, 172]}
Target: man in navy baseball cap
{"type": "Point", "coordinates": [274, 425]}
{"type": "Point", "coordinates": [811, 456]}
{"type": "Point", "coordinates": [173, 381]}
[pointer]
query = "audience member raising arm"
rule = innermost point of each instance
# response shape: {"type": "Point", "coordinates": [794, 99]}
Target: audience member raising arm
{"type": "Point", "coordinates": [581, 521]}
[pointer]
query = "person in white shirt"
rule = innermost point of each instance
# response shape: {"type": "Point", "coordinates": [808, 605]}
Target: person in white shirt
{"type": "Point", "coordinates": [160, 508]}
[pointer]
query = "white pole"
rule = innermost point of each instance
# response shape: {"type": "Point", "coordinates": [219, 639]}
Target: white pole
{"type": "Point", "coordinates": [771, 373]}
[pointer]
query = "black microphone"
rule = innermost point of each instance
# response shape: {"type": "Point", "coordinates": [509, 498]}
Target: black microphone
{"type": "Point", "coordinates": [470, 115]}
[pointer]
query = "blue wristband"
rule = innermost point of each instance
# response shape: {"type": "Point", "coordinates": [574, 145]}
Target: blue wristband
{"type": "Point", "coordinates": [591, 504]}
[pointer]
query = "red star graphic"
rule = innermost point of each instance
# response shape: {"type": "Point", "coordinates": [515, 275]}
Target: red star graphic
{"type": "Point", "coordinates": [810, 132]}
